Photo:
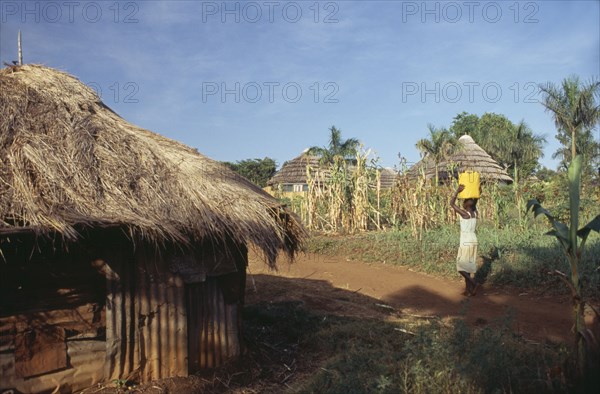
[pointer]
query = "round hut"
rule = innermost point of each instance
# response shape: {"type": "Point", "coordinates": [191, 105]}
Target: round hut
{"type": "Point", "coordinates": [292, 177]}
{"type": "Point", "coordinates": [389, 176]}
{"type": "Point", "coordinates": [468, 156]}
{"type": "Point", "coordinates": [123, 253]}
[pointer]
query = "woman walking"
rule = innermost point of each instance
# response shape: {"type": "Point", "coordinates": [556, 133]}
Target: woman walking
{"type": "Point", "coordinates": [467, 250]}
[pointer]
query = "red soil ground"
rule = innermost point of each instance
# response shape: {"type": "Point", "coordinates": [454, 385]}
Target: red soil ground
{"type": "Point", "coordinates": [313, 277]}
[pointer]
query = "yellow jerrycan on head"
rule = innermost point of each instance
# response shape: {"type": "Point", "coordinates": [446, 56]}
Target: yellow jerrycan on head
{"type": "Point", "coordinates": [471, 180]}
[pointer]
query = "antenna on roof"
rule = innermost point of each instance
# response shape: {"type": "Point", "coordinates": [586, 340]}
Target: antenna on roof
{"type": "Point", "coordinates": [20, 50]}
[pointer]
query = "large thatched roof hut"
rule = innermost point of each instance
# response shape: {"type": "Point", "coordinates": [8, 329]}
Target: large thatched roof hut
{"type": "Point", "coordinates": [124, 252]}
{"type": "Point", "coordinates": [469, 156]}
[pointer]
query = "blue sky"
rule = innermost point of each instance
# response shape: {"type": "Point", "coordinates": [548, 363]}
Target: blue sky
{"type": "Point", "coordinates": [244, 80]}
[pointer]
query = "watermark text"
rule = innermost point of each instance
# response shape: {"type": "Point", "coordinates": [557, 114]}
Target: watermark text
{"type": "Point", "coordinates": [269, 92]}
{"type": "Point", "coordinates": [69, 11]}
{"type": "Point", "coordinates": [470, 11]}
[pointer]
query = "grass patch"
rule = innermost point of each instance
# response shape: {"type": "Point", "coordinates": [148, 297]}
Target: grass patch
{"type": "Point", "coordinates": [375, 357]}
{"type": "Point", "coordinates": [511, 255]}
{"type": "Point", "coordinates": [333, 354]}
{"type": "Point", "coordinates": [292, 350]}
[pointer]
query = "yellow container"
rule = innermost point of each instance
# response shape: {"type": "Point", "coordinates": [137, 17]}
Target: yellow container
{"type": "Point", "coordinates": [471, 180]}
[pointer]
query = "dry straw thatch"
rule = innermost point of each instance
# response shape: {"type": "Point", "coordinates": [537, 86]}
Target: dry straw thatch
{"type": "Point", "coordinates": [389, 176]}
{"type": "Point", "coordinates": [68, 162]}
{"type": "Point", "coordinates": [469, 156]}
{"type": "Point", "coordinates": [294, 171]}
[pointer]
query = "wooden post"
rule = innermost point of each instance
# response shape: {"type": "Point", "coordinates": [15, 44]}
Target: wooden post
{"type": "Point", "coordinates": [20, 50]}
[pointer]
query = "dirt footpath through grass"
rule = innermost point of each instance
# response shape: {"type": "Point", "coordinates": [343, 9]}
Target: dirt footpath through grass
{"type": "Point", "coordinates": [536, 318]}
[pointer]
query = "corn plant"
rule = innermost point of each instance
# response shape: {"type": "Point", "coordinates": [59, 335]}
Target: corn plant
{"type": "Point", "coordinates": [572, 239]}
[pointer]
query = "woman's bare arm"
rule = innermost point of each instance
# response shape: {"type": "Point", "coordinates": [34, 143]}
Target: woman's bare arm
{"type": "Point", "coordinates": [464, 214]}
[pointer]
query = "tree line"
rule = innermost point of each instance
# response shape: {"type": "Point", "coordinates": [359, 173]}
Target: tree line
{"type": "Point", "coordinates": [515, 146]}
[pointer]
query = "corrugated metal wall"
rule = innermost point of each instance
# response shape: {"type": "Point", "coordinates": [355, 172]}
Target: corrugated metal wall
{"type": "Point", "coordinates": [158, 326]}
{"type": "Point", "coordinates": [162, 319]}
{"type": "Point", "coordinates": [146, 328]}
{"type": "Point", "coordinates": [149, 312]}
{"type": "Point", "coordinates": [213, 326]}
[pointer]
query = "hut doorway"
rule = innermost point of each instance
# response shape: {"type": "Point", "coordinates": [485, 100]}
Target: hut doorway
{"type": "Point", "coordinates": [214, 306]}
{"type": "Point", "coordinates": [213, 323]}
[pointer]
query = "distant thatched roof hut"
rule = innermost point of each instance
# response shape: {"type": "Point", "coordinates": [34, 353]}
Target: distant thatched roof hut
{"type": "Point", "coordinates": [469, 156]}
{"type": "Point", "coordinates": [293, 175]}
{"type": "Point", "coordinates": [124, 251]}
{"type": "Point", "coordinates": [294, 172]}
{"type": "Point", "coordinates": [388, 178]}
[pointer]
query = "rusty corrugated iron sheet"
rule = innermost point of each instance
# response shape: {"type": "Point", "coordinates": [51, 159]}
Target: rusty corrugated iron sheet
{"type": "Point", "coordinates": [146, 320]}
{"type": "Point", "coordinates": [213, 326]}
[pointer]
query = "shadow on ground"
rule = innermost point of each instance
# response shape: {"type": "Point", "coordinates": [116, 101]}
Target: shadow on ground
{"type": "Point", "coordinates": [304, 335]}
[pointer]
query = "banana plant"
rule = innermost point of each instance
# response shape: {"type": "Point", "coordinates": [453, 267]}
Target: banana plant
{"type": "Point", "coordinates": [572, 239]}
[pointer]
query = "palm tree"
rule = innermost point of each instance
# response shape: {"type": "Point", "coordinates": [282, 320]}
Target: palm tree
{"type": "Point", "coordinates": [440, 144]}
{"type": "Point", "coordinates": [520, 149]}
{"type": "Point", "coordinates": [574, 106]}
{"type": "Point", "coordinates": [337, 147]}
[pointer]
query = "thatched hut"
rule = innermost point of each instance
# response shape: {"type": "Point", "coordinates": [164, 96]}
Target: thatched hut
{"type": "Point", "coordinates": [293, 175]}
{"type": "Point", "coordinates": [122, 252]}
{"type": "Point", "coordinates": [469, 156]}
{"type": "Point", "coordinates": [388, 179]}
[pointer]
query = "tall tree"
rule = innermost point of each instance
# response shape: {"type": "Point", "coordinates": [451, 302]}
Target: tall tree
{"type": "Point", "coordinates": [337, 147]}
{"type": "Point", "coordinates": [257, 171]}
{"type": "Point", "coordinates": [439, 145]}
{"type": "Point", "coordinates": [575, 108]}
{"type": "Point", "coordinates": [514, 146]}
{"type": "Point", "coordinates": [465, 123]}
{"type": "Point", "coordinates": [518, 149]}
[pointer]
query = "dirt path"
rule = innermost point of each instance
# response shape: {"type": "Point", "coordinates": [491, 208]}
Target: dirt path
{"type": "Point", "coordinates": [328, 283]}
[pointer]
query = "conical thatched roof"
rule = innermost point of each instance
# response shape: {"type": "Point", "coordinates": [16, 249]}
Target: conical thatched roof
{"type": "Point", "coordinates": [68, 162]}
{"type": "Point", "coordinates": [388, 178]}
{"type": "Point", "coordinates": [294, 171]}
{"type": "Point", "coordinates": [469, 156]}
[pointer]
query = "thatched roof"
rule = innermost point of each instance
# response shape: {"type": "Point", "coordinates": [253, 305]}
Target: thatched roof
{"type": "Point", "coordinates": [388, 178]}
{"type": "Point", "coordinates": [469, 156]}
{"type": "Point", "coordinates": [68, 162]}
{"type": "Point", "coordinates": [294, 172]}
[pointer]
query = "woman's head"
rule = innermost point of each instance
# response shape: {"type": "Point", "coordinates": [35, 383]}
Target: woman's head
{"type": "Point", "coordinates": [470, 204]}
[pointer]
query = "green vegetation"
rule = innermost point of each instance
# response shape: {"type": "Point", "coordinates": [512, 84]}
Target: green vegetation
{"type": "Point", "coordinates": [422, 233]}
{"type": "Point", "coordinates": [439, 145]}
{"type": "Point", "coordinates": [406, 356]}
{"type": "Point", "coordinates": [290, 349]}
{"type": "Point", "coordinates": [575, 107]}
{"type": "Point", "coordinates": [257, 171]}
{"type": "Point", "coordinates": [337, 148]}
{"type": "Point", "coordinates": [514, 146]}
{"type": "Point", "coordinates": [575, 112]}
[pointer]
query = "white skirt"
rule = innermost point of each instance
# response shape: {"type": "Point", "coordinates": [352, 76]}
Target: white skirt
{"type": "Point", "coordinates": [466, 260]}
